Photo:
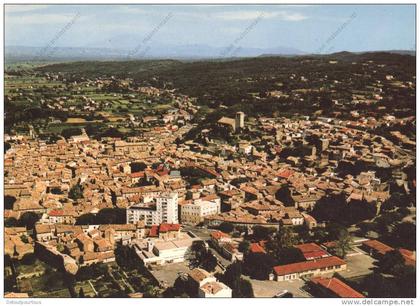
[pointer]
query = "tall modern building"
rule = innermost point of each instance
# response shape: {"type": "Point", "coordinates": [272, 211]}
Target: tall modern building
{"type": "Point", "coordinates": [161, 209]}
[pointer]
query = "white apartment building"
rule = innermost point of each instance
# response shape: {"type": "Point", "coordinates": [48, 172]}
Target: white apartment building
{"type": "Point", "coordinates": [160, 209]}
{"type": "Point", "coordinates": [194, 213]}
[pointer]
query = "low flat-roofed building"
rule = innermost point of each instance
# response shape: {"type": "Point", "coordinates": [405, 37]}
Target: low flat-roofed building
{"type": "Point", "coordinates": [309, 268]}
{"type": "Point", "coordinates": [159, 251]}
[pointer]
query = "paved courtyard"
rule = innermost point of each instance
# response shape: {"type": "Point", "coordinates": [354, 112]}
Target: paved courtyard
{"type": "Point", "coordinates": [358, 264]}
{"type": "Point", "coordinates": [167, 274]}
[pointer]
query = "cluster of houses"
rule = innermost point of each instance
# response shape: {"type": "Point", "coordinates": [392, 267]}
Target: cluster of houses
{"type": "Point", "coordinates": [272, 180]}
{"type": "Point", "coordinates": [74, 246]}
{"type": "Point", "coordinates": [18, 242]}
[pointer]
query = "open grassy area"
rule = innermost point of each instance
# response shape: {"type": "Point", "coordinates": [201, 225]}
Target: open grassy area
{"type": "Point", "coordinates": [86, 289]}
{"type": "Point", "coordinates": [37, 267]}
{"type": "Point", "coordinates": [32, 99]}
{"type": "Point", "coordinates": [49, 284]}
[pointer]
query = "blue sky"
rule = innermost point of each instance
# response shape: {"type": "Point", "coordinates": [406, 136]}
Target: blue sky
{"type": "Point", "coordinates": [309, 28]}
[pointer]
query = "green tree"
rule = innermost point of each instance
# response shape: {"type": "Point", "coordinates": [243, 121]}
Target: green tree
{"type": "Point", "coordinates": [7, 146]}
{"type": "Point", "coordinates": [11, 222]}
{"type": "Point", "coordinates": [333, 230]}
{"type": "Point", "coordinates": [226, 227]}
{"type": "Point", "coordinates": [244, 246]}
{"type": "Point", "coordinates": [343, 243]}
{"type": "Point", "coordinates": [81, 293]}
{"type": "Point", "coordinates": [199, 256]}
{"type": "Point", "coordinates": [282, 239]}
{"type": "Point", "coordinates": [262, 232]}
{"type": "Point", "coordinates": [151, 291]}
{"type": "Point", "coordinates": [126, 257]}
{"type": "Point", "coordinates": [258, 265]}
{"type": "Point", "coordinates": [240, 287]}
{"type": "Point", "coordinates": [391, 263]}
{"type": "Point", "coordinates": [28, 219]}
{"type": "Point", "coordinates": [182, 288]}
{"type": "Point", "coordinates": [76, 192]}
{"type": "Point", "coordinates": [24, 238]}
{"type": "Point", "coordinates": [404, 235]}
{"type": "Point", "coordinates": [320, 235]}
{"type": "Point", "coordinates": [281, 247]}
{"type": "Point", "coordinates": [9, 201]}
{"type": "Point", "coordinates": [69, 132]}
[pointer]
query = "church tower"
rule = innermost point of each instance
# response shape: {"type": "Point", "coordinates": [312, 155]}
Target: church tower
{"type": "Point", "coordinates": [239, 120]}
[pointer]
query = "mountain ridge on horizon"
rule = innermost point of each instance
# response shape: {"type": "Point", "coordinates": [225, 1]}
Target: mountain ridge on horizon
{"type": "Point", "coordinates": [193, 51]}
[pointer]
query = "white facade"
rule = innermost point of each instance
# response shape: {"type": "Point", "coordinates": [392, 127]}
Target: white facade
{"type": "Point", "coordinates": [165, 210]}
{"type": "Point", "coordinates": [160, 252]}
{"type": "Point", "coordinates": [194, 213]}
{"type": "Point", "coordinates": [297, 221]}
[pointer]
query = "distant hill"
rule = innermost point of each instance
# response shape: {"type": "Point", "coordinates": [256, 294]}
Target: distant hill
{"type": "Point", "coordinates": [404, 52]}
{"type": "Point", "coordinates": [155, 51]}
{"type": "Point", "coordinates": [232, 82]}
{"type": "Point", "coordinates": [179, 69]}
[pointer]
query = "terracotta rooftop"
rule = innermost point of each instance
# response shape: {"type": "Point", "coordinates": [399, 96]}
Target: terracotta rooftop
{"type": "Point", "coordinates": [311, 250]}
{"type": "Point", "coordinates": [218, 235]}
{"type": "Point", "coordinates": [378, 246]}
{"type": "Point", "coordinates": [256, 248]}
{"type": "Point", "coordinates": [337, 287]}
{"type": "Point", "coordinates": [308, 265]}
{"type": "Point", "coordinates": [199, 274]}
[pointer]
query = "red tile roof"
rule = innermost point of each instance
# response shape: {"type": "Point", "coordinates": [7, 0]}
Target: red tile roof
{"type": "Point", "coordinates": [154, 231]}
{"type": "Point", "coordinates": [55, 212]}
{"type": "Point", "coordinates": [409, 256]}
{"type": "Point", "coordinates": [308, 247]}
{"type": "Point", "coordinates": [311, 250]}
{"type": "Point", "coordinates": [166, 227]}
{"type": "Point", "coordinates": [315, 254]}
{"type": "Point", "coordinates": [286, 173]}
{"type": "Point", "coordinates": [137, 174]}
{"type": "Point", "coordinates": [337, 287]}
{"type": "Point", "coordinates": [381, 248]}
{"type": "Point", "coordinates": [330, 244]}
{"type": "Point", "coordinates": [256, 248]}
{"type": "Point", "coordinates": [218, 235]}
{"type": "Point", "coordinates": [378, 246]}
{"type": "Point", "coordinates": [210, 197]}
{"type": "Point", "coordinates": [308, 265]}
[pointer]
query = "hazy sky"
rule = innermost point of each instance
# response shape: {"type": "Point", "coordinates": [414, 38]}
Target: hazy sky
{"type": "Point", "coordinates": [309, 28]}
